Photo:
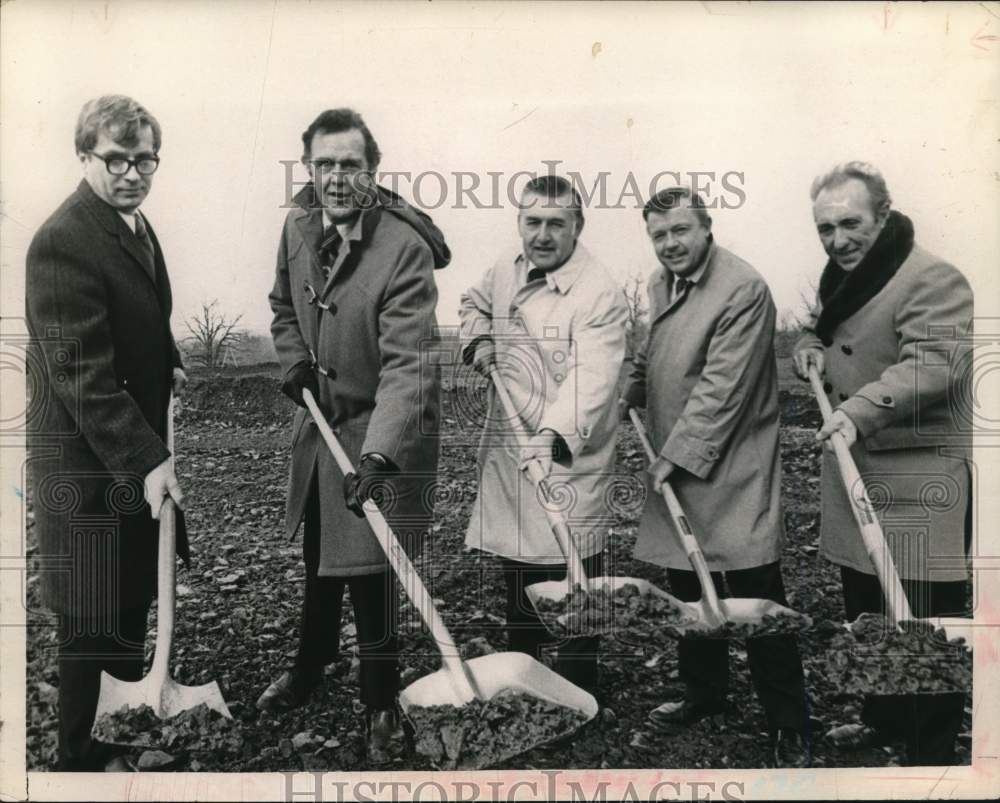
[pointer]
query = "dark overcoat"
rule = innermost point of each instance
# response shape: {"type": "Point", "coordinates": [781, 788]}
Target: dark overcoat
{"type": "Point", "coordinates": [100, 372]}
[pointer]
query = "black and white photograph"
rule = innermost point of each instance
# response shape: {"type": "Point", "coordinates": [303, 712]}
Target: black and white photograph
{"type": "Point", "coordinates": [499, 400]}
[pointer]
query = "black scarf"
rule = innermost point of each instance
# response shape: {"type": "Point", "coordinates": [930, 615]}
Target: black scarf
{"type": "Point", "coordinates": [844, 292]}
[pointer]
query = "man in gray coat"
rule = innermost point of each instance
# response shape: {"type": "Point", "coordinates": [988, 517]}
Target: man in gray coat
{"type": "Point", "coordinates": [98, 307]}
{"type": "Point", "coordinates": [708, 379]}
{"type": "Point", "coordinates": [353, 302]}
{"type": "Point", "coordinates": [888, 333]}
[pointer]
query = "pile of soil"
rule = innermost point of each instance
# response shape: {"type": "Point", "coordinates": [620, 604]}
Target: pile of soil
{"type": "Point", "coordinates": [776, 624]}
{"type": "Point", "coordinates": [604, 611]}
{"type": "Point", "coordinates": [484, 734]}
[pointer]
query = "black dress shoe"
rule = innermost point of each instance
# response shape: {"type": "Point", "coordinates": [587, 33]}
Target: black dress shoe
{"type": "Point", "coordinates": [290, 691]}
{"type": "Point", "coordinates": [672, 715]}
{"type": "Point", "coordinates": [382, 727]}
{"type": "Point", "coordinates": [789, 750]}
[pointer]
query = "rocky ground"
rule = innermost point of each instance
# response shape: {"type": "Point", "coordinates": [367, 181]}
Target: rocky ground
{"type": "Point", "coordinates": [238, 609]}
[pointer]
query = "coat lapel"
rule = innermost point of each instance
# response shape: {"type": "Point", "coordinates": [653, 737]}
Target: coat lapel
{"type": "Point", "coordinates": [112, 221]}
{"type": "Point", "coordinates": [352, 246]}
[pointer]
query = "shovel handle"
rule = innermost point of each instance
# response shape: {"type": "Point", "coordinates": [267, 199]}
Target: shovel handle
{"type": "Point", "coordinates": [402, 566]}
{"type": "Point", "coordinates": [166, 572]}
{"type": "Point", "coordinates": [690, 544]}
{"type": "Point", "coordinates": [896, 602]}
{"type": "Point", "coordinates": [556, 521]}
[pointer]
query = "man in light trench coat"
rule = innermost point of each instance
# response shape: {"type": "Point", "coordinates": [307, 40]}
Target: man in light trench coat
{"type": "Point", "coordinates": [353, 302]}
{"type": "Point", "coordinates": [553, 320]}
{"type": "Point", "coordinates": [708, 379]}
{"type": "Point", "coordinates": [888, 334]}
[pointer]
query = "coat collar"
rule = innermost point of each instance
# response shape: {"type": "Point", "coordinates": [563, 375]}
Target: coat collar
{"type": "Point", "coordinates": [661, 283]}
{"type": "Point", "coordinates": [111, 220]}
{"type": "Point", "coordinates": [564, 277]}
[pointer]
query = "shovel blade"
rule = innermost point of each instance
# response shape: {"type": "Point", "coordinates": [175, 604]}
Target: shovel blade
{"type": "Point", "coordinates": [745, 617]}
{"type": "Point", "coordinates": [166, 698]}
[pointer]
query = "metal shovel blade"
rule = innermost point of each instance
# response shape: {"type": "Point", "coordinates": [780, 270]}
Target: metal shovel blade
{"type": "Point", "coordinates": [496, 673]}
{"type": "Point", "coordinates": [744, 617]}
{"type": "Point", "coordinates": [554, 594]}
{"type": "Point", "coordinates": [167, 698]}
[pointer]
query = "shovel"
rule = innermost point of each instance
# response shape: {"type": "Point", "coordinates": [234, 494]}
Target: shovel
{"type": "Point", "coordinates": [557, 594]}
{"type": "Point", "coordinates": [459, 683]}
{"type": "Point", "coordinates": [897, 605]}
{"type": "Point", "coordinates": [158, 690]}
{"type": "Point", "coordinates": [714, 617]}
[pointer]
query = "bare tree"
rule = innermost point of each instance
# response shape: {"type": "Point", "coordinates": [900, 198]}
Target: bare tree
{"type": "Point", "coordinates": [214, 336]}
{"type": "Point", "coordinates": [636, 326]}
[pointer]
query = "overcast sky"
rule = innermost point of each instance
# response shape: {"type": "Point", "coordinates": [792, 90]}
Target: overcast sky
{"type": "Point", "coordinates": [775, 93]}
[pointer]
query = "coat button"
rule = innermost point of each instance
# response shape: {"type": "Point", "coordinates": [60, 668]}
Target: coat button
{"type": "Point", "coordinates": [843, 397]}
{"type": "Point", "coordinates": [828, 387]}
{"type": "Point", "coordinates": [887, 400]}
{"type": "Point", "coordinates": [847, 350]}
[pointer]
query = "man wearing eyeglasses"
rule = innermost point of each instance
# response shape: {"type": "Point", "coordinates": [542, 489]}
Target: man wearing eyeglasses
{"type": "Point", "coordinates": [98, 310]}
{"type": "Point", "coordinates": [353, 302]}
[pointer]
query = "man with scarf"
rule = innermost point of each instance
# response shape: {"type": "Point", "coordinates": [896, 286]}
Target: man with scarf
{"type": "Point", "coordinates": [353, 301]}
{"type": "Point", "coordinates": [886, 335]}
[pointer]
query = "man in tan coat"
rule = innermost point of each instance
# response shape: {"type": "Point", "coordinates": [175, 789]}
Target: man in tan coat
{"type": "Point", "coordinates": [553, 320]}
{"type": "Point", "coordinates": [708, 379]}
{"type": "Point", "coordinates": [353, 301]}
{"type": "Point", "coordinates": [888, 335]}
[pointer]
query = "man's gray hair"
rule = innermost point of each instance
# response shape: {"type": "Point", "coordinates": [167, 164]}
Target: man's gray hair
{"type": "Point", "coordinates": [863, 171]}
{"type": "Point", "coordinates": [120, 117]}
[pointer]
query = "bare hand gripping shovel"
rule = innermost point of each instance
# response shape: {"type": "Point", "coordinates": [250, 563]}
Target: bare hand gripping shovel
{"type": "Point", "coordinates": [459, 682]}
{"type": "Point", "coordinates": [714, 617]}
{"type": "Point", "coordinates": [558, 594]}
{"type": "Point", "coordinates": [158, 689]}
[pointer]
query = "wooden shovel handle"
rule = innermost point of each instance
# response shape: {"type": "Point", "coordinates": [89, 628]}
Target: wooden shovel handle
{"type": "Point", "coordinates": [166, 571]}
{"type": "Point", "coordinates": [690, 544]}
{"type": "Point", "coordinates": [576, 574]}
{"type": "Point", "coordinates": [897, 605]}
{"type": "Point", "coordinates": [402, 566]}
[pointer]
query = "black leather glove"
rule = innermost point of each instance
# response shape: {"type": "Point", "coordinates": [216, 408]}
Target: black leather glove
{"type": "Point", "coordinates": [301, 376]}
{"type": "Point", "coordinates": [480, 355]}
{"type": "Point", "coordinates": [373, 470]}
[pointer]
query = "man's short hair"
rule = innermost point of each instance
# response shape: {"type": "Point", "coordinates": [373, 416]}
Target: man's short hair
{"type": "Point", "coordinates": [675, 197]}
{"type": "Point", "coordinates": [863, 171]}
{"type": "Point", "coordinates": [118, 116]}
{"type": "Point", "coordinates": [551, 186]}
{"type": "Point", "coordinates": [334, 121]}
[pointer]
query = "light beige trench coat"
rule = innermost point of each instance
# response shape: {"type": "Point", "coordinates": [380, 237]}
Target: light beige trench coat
{"type": "Point", "coordinates": [900, 367]}
{"type": "Point", "coordinates": [707, 377]}
{"type": "Point", "coordinates": [560, 343]}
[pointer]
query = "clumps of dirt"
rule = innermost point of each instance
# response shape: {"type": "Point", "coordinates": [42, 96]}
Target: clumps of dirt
{"type": "Point", "coordinates": [770, 624]}
{"type": "Point", "coordinates": [210, 740]}
{"type": "Point", "coordinates": [875, 657]}
{"type": "Point", "coordinates": [605, 611]}
{"type": "Point", "coordinates": [483, 734]}
{"type": "Point", "coordinates": [244, 401]}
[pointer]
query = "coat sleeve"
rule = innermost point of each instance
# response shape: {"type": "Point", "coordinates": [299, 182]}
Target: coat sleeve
{"type": "Point", "coordinates": [476, 315]}
{"type": "Point", "coordinates": [591, 381]}
{"type": "Point", "coordinates": [406, 322]}
{"type": "Point", "coordinates": [937, 312]}
{"type": "Point", "coordinates": [741, 345]}
{"type": "Point", "coordinates": [288, 341]}
{"type": "Point", "coordinates": [68, 296]}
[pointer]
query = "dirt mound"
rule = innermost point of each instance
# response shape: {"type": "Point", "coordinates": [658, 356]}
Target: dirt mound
{"type": "Point", "coordinates": [247, 400]}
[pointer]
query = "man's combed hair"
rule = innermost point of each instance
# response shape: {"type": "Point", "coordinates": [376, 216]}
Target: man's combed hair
{"type": "Point", "coordinates": [118, 116]}
{"type": "Point", "coordinates": [863, 171]}
{"type": "Point", "coordinates": [335, 121]}
{"type": "Point", "coordinates": [675, 198]}
{"type": "Point", "coordinates": [551, 186]}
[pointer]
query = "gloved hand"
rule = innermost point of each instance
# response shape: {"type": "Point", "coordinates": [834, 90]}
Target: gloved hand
{"type": "Point", "coordinates": [301, 376]}
{"type": "Point", "coordinates": [373, 470]}
{"type": "Point", "coordinates": [480, 354]}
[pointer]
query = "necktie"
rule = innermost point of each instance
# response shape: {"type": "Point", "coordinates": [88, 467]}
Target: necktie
{"type": "Point", "coordinates": [329, 244]}
{"type": "Point", "coordinates": [143, 235]}
{"type": "Point", "coordinates": [680, 287]}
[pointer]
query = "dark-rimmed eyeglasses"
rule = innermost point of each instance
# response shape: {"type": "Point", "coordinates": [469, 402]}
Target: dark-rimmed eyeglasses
{"type": "Point", "coordinates": [119, 166]}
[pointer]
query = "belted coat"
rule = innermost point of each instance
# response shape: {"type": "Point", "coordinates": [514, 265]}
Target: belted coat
{"type": "Point", "coordinates": [707, 376]}
{"type": "Point", "coordinates": [901, 368]}
{"type": "Point", "coordinates": [378, 382]}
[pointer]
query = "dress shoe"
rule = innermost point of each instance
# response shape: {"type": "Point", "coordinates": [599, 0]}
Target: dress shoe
{"type": "Point", "coordinates": [853, 736]}
{"type": "Point", "coordinates": [290, 691]}
{"type": "Point", "coordinates": [674, 714]}
{"type": "Point", "coordinates": [789, 750]}
{"type": "Point", "coordinates": [382, 727]}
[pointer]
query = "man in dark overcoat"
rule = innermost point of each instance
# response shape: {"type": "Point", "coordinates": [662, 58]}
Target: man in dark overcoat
{"type": "Point", "coordinates": [98, 311]}
{"type": "Point", "coordinates": [354, 316]}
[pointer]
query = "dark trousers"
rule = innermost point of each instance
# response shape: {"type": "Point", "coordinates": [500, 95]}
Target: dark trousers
{"type": "Point", "coordinates": [375, 601]}
{"type": "Point", "coordinates": [576, 658]}
{"type": "Point", "coordinates": [775, 665]}
{"type": "Point", "coordinates": [87, 647]}
{"type": "Point", "coordinates": [928, 723]}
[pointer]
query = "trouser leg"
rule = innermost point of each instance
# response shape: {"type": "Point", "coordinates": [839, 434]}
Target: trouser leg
{"type": "Point", "coordinates": [88, 646]}
{"type": "Point", "coordinates": [376, 605]}
{"type": "Point", "coordinates": [576, 658]}
{"type": "Point", "coordinates": [775, 663]}
{"type": "Point", "coordinates": [319, 631]}
{"type": "Point", "coordinates": [703, 664]}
